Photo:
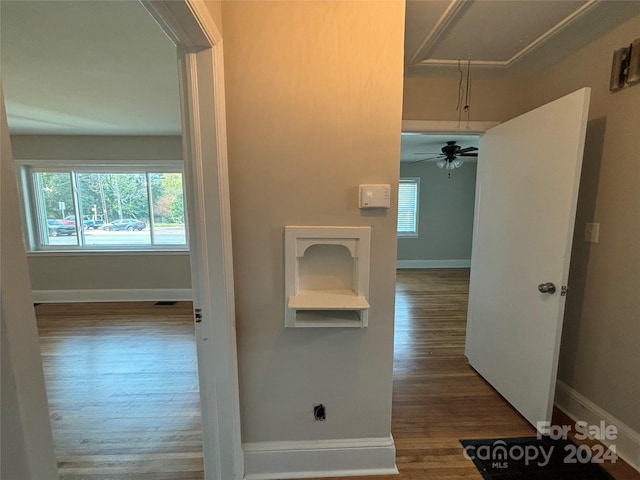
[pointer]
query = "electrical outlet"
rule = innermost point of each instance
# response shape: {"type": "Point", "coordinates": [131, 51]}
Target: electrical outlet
{"type": "Point", "coordinates": [319, 413]}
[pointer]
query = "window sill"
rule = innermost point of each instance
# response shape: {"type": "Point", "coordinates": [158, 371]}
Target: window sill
{"type": "Point", "coordinates": [83, 253]}
{"type": "Point", "coordinates": [408, 235]}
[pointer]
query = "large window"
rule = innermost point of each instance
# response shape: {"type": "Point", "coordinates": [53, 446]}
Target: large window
{"type": "Point", "coordinates": [408, 199]}
{"type": "Point", "coordinates": [123, 209]}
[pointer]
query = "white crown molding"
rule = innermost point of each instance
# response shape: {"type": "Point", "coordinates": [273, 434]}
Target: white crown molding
{"type": "Point", "coordinates": [580, 408]}
{"type": "Point", "coordinates": [454, 9]}
{"type": "Point", "coordinates": [112, 295]}
{"type": "Point", "coordinates": [557, 28]}
{"type": "Point", "coordinates": [321, 458]}
{"type": "Point", "coordinates": [449, 17]}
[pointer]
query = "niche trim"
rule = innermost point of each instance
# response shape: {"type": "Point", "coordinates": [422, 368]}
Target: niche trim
{"type": "Point", "coordinates": [326, 276]}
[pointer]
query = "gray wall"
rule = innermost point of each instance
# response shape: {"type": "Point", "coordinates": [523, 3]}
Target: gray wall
{"type": "Point", "coordinates": [91, 270]}
{"type": "Point", "coordinates": [445, 222]}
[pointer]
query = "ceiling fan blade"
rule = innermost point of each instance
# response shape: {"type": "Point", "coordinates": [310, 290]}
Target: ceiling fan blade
{"type": "Point", "coordinates": [428, 159]}
{"type": "Point", "coordinates": [468, 149]}
{"type": "Point", "coordinates": [466, 155]}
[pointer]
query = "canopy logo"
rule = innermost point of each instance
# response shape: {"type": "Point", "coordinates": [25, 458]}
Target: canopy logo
{"type": "Point", "coordinates": [499, 454]}
{"type": "Point", "coordinates": [552, 444]}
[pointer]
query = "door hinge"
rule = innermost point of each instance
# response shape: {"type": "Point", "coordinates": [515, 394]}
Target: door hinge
{"type": "Point", "coordinates": [564, 290]}
{"type": "Point", "coordinates": [197, 315]}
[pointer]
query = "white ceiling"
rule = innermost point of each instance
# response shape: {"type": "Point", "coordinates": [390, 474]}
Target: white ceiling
{"type": "Point", "coordinates": [87, 67]}
{"type": "Point", "coordinates": [513, 37]}
{"type": "Point", "coordinates": [105, 67]}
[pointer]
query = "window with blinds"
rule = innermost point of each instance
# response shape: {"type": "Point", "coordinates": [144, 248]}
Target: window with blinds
{"type": "Point", "coordinates": [408, 195]}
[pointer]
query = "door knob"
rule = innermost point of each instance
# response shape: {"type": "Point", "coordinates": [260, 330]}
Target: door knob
{"type": "Point", "coordinates": [547, 288]}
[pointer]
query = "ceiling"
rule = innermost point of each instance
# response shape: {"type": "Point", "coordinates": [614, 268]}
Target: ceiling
{"type": "Point", "coordinates": [106, 68]}
{"type": "Point", "coordinates": [502, 37]}
{"type": "Point", "coordinates": [87, 68]}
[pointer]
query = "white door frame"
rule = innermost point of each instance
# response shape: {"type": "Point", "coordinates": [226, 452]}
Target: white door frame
{"type": "Point", "coordinates": [201, 63]}
{"type": "Point", "coordinates": [444, 126]}
{"type": "Point", "coordinates": [27, 431]}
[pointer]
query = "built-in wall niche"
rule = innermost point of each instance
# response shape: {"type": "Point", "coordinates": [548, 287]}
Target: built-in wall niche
{"type": "Point", "coordinates": [327, 276]}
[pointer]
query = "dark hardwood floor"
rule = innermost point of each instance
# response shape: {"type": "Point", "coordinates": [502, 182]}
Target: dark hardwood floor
{"type": "Point", "coordinates": [123, 388]}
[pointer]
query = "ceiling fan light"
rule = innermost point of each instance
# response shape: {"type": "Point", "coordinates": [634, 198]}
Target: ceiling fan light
{"type": "Point", "coordinates": [450, 166]}
{"type": "Point", "coordinates": [457, 163]}
{"type": "Point", "coordinates": [441, 163]}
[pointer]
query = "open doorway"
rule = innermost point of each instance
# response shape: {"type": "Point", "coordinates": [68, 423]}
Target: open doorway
{"type": "Point", "coordinates": [435, 389]}
{"type": "Point", "coordinates": [508, 261]}
{"type": "Point", "coordinates": [96, 136]}
{"type": "Point", "coordinates": [196, 35]}
{"type": "Point", "coordinates": [440, 204]}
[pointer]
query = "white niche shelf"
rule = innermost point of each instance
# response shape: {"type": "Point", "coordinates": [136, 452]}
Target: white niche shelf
{"type": "Point", "coordinates": [326, 276]}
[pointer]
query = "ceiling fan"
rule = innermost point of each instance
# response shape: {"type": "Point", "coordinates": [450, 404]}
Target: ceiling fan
{"type": "Point", "coordinates": [449, 157]}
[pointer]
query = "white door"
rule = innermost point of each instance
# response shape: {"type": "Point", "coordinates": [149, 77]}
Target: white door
{"type": "Point", "coordinates": [526, 195]}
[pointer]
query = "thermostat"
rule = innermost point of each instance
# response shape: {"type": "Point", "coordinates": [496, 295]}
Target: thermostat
{"type": "Point", "coordinates": [375, 196]}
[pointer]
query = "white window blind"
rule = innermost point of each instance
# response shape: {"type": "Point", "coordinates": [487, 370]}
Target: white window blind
{"type": "Point", "coordinates": [408, 194]}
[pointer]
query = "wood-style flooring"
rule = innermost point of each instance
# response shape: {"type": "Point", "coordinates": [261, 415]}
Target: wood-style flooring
{"type": "Point", "coordinates": [123, 388]}
{"type": "Point", "coordinates": [438, 399]}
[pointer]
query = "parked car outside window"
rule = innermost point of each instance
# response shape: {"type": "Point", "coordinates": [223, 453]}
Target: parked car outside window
{"type": "Point", "coordinates": [58, 227]}
{"type": "Point", "coordinates": [93, 222]}
{"type": "Point", "coordinates": [125, 224]}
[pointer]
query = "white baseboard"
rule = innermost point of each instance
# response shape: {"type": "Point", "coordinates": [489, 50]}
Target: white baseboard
{"type": "Point", "coordinates": [434, 263]}
{"type": "Point", "coordinates": [112, 295]}
{"type": "Point", "coordinates": [322, 458]}
{"type": "Point", "coordinates": [580, 408]}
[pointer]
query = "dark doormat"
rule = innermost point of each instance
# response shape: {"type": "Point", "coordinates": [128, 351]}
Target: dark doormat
{"type": "Point", "coordinates": [530, 458]}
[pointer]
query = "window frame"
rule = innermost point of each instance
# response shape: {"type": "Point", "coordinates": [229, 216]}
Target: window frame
{"type": "Point", "coordinates": [30, 205]}
{"type": "Point", "coordinates": [413, 233]}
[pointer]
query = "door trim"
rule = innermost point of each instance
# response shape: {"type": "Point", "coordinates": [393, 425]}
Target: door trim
{"type": "Point", "coordinates": [446, 126]}
{"type": "Point", "coordinates": [24, 395]}
{"type": "Point", "coordinates": [201, 74]}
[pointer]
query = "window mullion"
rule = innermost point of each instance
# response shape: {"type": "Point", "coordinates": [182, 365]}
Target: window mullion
{"type": "Point", "coordinates": [152, 227]}
{"type": "Point", "coordinates": [77, 205]}
{"type": "Point", "coordinates": [39, 221]}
